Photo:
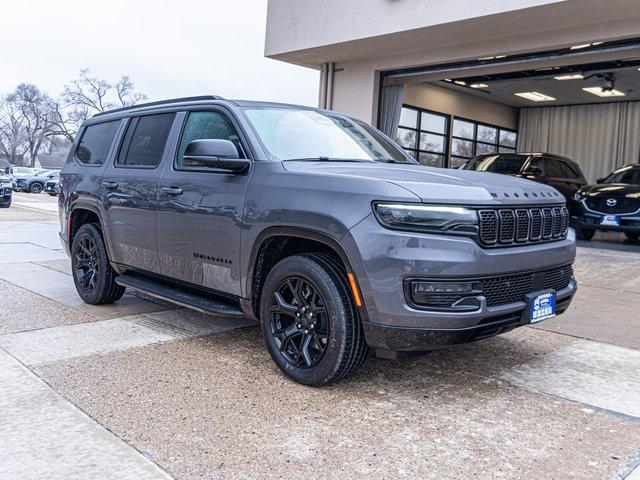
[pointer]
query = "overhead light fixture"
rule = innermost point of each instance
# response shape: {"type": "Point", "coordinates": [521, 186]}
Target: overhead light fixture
{"type": "Point", "coordinates": [491, 58]}
{"type": "Point", "coordinates": [585, 45]}
{"type": "Point", "coordinates": [535, 96]}
{"type": "Point", "coordinates": [601, 92]}
{"type": "Point", "coordinates": [460, 82]}
{"type": "Point", "coordinates": [570, 76]}
{"type": "Point", "coordinates": [479, 85]}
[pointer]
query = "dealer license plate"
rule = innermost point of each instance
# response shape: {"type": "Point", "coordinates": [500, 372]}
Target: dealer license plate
{"type": "Point", "coordinates": [542, 306]}
{"type": "Point", "coordinates": [612, 220]}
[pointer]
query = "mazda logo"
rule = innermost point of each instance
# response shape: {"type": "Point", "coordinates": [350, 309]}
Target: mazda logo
{"type": "Point", "coordinates": [611, 202]}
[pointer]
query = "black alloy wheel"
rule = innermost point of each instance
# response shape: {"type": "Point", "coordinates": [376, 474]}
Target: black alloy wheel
{"type": "Point", "coordinates": [93, 275]}
{"type": "Point", "coordinates": [310, 324]}
{"type": "Point", "coordinates": [86, 263]}
{"type": "Point", "coordinates": [36, 187]}
{"type": "Point", "coordinates": [299, 323]}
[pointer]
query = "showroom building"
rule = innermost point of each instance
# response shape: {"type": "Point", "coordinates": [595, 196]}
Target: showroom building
{"type": "Point", "coordinates": [451, 79]}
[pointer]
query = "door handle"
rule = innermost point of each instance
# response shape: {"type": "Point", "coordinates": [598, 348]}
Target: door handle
{"type": "Point", "coordinates": [109, 184]}
{"type": "Point", "coordinates": [172, 190]}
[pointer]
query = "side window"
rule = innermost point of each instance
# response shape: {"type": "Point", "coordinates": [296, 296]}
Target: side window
{"type": "Point", "coordinates": [211, 125]}
{"type": "Point", "coordinates": [552, 169]}
{"type": "Point", "coordinates": [95, 143]}
{"type": "Point", "coordinates": [569, 171]}
{"type": "Point", "coordinates": [144, 141]}
{"type": "Point", "coordinates": [539, 163]}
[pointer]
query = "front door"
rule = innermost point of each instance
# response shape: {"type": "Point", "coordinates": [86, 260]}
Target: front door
{"type": "Point", "coordinates": [129, 191]}
{"type": "Point", "coordinates": [200, 210]}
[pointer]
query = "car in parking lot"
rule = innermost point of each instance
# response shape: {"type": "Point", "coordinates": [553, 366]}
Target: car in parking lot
{"type": "Point", "coordinates": [612, 204]}
{"type": "Point", "coordinates": [6, 191]}
{"type": "Point", "coordinates": [559, 172]}
{"type": "Point", "coordinates": [35, 183]}
{"type": "Point", "coordinates": [52, 186]}
{"type": "Point", "coordinates": [16, 173]}
{"type": "Point", "coordinates": [313, 223]}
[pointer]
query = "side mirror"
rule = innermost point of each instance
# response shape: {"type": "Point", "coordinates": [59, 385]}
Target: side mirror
{"type": "Point", "coordinates": [214, 153]}
{"type": "Point", "coordinates": [600, 180]}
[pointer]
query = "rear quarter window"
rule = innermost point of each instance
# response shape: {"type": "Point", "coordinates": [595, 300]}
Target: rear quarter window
{"type": "Point", "coordinates": [95, 143]}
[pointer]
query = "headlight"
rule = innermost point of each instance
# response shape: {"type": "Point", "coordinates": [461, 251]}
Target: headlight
{"type": "Point", "coordinates": [427, 218]}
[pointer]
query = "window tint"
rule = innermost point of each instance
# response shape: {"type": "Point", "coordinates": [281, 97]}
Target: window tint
{"type": "Point", "coordinates": [552, 168]}
{"type": "Point", "coordinates": [507, 164]}
{"type": "Point", "coordinates": [144, 141]}
{"type": "Point", "coordinates": [95, 143]}
{"type": "Point", "coordinates": [212, 125]}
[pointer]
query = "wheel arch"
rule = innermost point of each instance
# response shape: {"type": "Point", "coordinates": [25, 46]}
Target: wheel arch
{"type": "Point", "coordinates": [286, 241]}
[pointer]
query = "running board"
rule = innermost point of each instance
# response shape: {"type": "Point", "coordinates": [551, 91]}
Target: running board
{"type": "Point", "coordinates": [180, 296]}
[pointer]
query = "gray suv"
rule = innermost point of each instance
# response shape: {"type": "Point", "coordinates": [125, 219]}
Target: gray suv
{"type": "Point", "coordinates": [312, 223]}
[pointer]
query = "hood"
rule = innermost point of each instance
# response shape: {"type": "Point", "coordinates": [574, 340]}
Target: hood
{"type": "Point", "coordinates": [620, 190]}
{"type": "Point", "coordinates": [438, 185]}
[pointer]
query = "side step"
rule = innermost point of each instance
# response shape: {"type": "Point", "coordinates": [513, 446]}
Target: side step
{"type": "Point", "coordinates": [180, 296]}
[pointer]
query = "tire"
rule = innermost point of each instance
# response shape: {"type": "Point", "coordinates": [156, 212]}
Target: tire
{"type": "Point", "coordinates": [93, 276]}
{"type": "Point", "coordinates": [585, 233]}
{"type": "Point", "coordinates": [335, 344]}
{"type": "Point", "coordinates": [633, 237]}
{"type": "Point", "coordinates": [6, 205]}
{"type": "Point", "coordinates": [36, 187]}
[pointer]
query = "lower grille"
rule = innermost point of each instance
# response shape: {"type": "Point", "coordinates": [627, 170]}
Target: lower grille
{"type": "Point", "coordinates": [620, 206]}
{"type": "Point", "coordinates": [513, 288]}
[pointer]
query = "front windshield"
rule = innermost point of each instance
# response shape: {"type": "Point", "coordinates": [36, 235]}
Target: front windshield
{"type": "Point", "coordinates": [292, 134]}
{"type": "Point", "coordinates": [508, 164]}
{"type": "Point", "coordinates": [628, 175]}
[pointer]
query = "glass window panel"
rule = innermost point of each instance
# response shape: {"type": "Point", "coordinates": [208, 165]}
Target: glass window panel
{"type": "Point", "coordinates": [210, 125]}
{"type": "Point", "coordinates": [506, 149]}
{"type": "Point", "coordinates": [411, 152]}
{"type": "Point", "coordinates": [409, 118]}
{"type": "Point", "coordinates": [431, 159]}
{"type": "Point", "coordinates": [507, 138]}
{"type": "Point", "coordinates": [456, 162]}
{"type": "Point", "coordinates": [95, 143]}
{"type": "Point", "coordinates": [406, 138]}
{"type": "Point", "coordinates": [462, 129]}
{"type": "Point", "coordinates": [487, 134]}
{"type": "Point", "coordinates": [485, 148]}
{"type": "Point", "coordinates": [462, 148]}
{"type": "Point", "coordinates": [145, 140]}
{"type": "Point", "coordinates": [431, 142]}
{"type": "Point", "coordinates": [433, 123]}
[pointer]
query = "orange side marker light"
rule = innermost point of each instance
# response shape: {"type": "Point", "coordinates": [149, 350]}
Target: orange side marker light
{"type": "Point", "coordinates": [354, 289]}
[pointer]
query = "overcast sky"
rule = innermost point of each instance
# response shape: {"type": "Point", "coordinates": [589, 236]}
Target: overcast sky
{"type": "Point", "coordinates": [168, 48]}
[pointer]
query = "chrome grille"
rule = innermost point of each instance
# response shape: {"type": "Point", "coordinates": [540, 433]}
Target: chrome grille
{"type": "Point", "coordinates": [523, 225]}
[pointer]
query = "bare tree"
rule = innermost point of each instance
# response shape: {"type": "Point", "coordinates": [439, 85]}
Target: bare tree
{"type": "Point", "coordinates": [13, 142]}
{"type": "Point", "coordinates": [85, 96]}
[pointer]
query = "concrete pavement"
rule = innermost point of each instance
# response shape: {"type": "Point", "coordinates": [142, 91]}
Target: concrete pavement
{"type": "Point", "coordinates": [142, 389]}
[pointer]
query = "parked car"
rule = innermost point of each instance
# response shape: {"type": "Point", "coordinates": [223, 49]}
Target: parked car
{"type": "Point", "coordinates": [6, 191]}
{"type": "Point", "coordinates": [52, 186]}
{"type": "Point", "coordinates": [559, 172]}
{"type": "Point", "coordinates": [613, 204]}
{"type": "Point", "coordinates": [315, 224]}
{"type": "Point", "coordinates": [16, 173]}
{"type": "Point", "coordinates": [35, 183]}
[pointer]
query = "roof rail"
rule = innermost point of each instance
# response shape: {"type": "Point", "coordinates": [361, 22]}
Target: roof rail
{"type": "Point", "coordinates": [161, 102]}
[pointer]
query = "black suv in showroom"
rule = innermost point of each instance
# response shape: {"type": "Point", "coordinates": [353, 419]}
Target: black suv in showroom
{"type": "Point", "coordinates": [613, 204]}
{"type": "Point", "coordinates": [559, 172]}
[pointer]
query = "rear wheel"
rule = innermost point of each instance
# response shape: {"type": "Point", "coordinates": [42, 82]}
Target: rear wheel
{"type": "Point", "coordinates": [93, 276]}
{"type": "Point", "coordinates": [585, 233]}
{"type": "Point", "coordinates": [310, 326]}
{"type": "Point", "coordinates": [36, 187]}
{"type": "Point", "coordinates": [632, 236]}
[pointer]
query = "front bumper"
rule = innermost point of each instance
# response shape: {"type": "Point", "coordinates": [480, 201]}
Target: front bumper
{"type": "Point", "coordinates": [5, 196]}
{"type": "Point", "coordinates": [382, 259]}
{"type": "Point", "coordinates": [591, 221]}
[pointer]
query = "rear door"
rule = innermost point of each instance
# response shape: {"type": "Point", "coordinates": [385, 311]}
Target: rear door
{"type": "Point", "coordinates": [200, 210]}
{"type": "Point", "coordinates": [129, 188]}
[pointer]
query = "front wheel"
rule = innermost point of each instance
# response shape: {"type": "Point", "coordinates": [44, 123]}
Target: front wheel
{"type": "Point", "coordinates": [585, 233]}
{"type": "Point", "coordinates": [93, 276]}
{"type": "Point", "coordinates": [36, 187]}
{"type": "Point", "coordinates": [309, 323]}
{"type": "Point", "coordinates": [632, 236]}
